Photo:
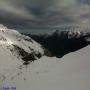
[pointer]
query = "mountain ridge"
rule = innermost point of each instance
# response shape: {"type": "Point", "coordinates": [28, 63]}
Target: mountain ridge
{"type": "Point", "coordinates": [60, 43]}
{"type": "Point", "coordinates": [21, 46]}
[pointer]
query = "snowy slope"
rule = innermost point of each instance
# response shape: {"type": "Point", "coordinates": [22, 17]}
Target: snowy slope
{"type": "Point", "coordinates": [71, 72]}
{"type": "Point", "coordinates": [16, 50]}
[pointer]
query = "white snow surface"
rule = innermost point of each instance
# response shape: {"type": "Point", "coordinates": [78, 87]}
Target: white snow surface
{"type": "Point", "coordinates": [71, 72]}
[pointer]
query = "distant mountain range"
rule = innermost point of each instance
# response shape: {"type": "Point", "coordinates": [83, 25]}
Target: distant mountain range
{"type": "Point", "coordinates": [60, 43]}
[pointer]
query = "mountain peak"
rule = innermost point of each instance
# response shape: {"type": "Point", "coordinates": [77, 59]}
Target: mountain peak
{"type": "Point", "coordinates": [20, 46]}
{"type": "Point", "coordinates": [3, 28]}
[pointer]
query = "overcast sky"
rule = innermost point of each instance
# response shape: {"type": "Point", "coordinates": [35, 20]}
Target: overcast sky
{"type": "Point", "coordinates": [44, 13]}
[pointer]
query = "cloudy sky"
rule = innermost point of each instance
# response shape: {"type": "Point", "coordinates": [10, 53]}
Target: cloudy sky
{"type": "Point", "coordinates": [44, 13]}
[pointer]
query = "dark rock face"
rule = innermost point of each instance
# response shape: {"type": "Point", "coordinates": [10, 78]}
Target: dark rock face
{"type": "Point", "coordinates": [26, 56]}
{"type": "Point", "coordinates": [61, 43]}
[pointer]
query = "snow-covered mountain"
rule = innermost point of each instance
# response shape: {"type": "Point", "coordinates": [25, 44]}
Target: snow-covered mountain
{"type": "Point", "coordinates": [19, 46]}
{"type": "Point", "coordinates": [71, 72]}
{"type": "Point", "coordinates": [16, 50]}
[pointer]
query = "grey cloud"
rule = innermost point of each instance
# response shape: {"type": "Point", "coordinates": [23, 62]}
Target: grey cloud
{"type": "Point", "coordinates": [84, 1]}
{"type": "Point", "coordinates": [41, 13]}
